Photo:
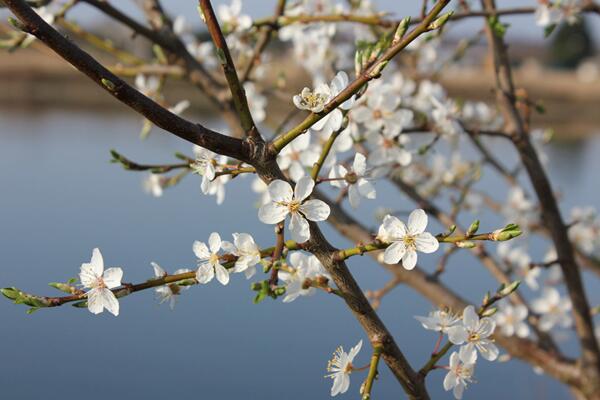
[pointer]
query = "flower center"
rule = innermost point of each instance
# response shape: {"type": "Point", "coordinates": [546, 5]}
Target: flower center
{"type": "Point", "coordinates": [214, 259]}
{"type": "Point", "coordinates": [349, 368]}
{"type": "Point", "coordinates": [314, 99]}
{"type": "Point", "coordinates": [351, 178]}
{"type": "Point", "coordinates": [409, 242]}
{"type": "Point", "coordinates": [377, 114]}
{"type": "Point", "coordinates": [294, 206]}
{"type": "Point", "coordinates": [474, 337]}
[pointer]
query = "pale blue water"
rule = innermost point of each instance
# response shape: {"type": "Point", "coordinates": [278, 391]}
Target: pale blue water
{"type": "Point", "coordinates": [60, 198]}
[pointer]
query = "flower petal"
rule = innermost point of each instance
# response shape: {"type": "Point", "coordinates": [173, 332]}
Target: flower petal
{"type": "Point", "coordinates": [417, 222]}
{"type": "Point", "coordinates": [359, 165]}
{"type": "Point", "coordinates": [201, 250]}
{"type": "Point", "coordinates": [214, 242]}
{"type": "Point", "coordinates": [458, 334]}
{"type": "Point", "coordinates": [272, 213]}
{"type": "Point", "coordinates": [109, 301]}
{"type": "Point", "coordinates": [280, 191]}
{"type": "Point", "coordinates": [470, 318]}
{"type": "Point", "coordinates": [409, 261]}
{"type": "Point", "coordinates": [354, 196]}
{"type": "Point", "coordinates": [112, 277]}
{"type": "Point", "coordinates": [299, 228]}
{"type": "Point", "coordinates": [394, 253]}
{"type": "Point", "coordinates": [315, 210]}
{"type": "Point", "coordinates": [303, 188]}
{"type": "Point", "coordinates": [426, 243]}
{"type": "Point", "coordinates": [222, 274]}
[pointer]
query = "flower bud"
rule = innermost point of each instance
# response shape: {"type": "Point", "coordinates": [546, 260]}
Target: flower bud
{"type": "Point", "coordinates": [473, 228]}
{"type": "Point", "coordinates": [465, 244]}
{"type": "Point", "coordinates": [489, 312]}
{"type": "Point", "coordinates": [507, 290]}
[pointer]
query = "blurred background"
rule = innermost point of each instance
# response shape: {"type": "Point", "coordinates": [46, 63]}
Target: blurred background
{"type": "Point", "coordinates": [61, 197]}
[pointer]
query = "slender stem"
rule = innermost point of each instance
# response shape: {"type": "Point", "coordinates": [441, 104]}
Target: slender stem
{"type": "Point", "coordinates": [369, 74]}
{"type": "Point", "coordinates": [223, 55]}
{"type": "Point", "coordinates": [160, 116]}
{"type": "Point", "coordinates": [377, 349]}
{"type": "Point", "coordinates": [262, 42]}
{"type": "Point", "coordinates": [325, 152]}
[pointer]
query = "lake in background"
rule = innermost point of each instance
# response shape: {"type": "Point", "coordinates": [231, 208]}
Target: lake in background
{"type": "Point", "coordinates": [61, 198]}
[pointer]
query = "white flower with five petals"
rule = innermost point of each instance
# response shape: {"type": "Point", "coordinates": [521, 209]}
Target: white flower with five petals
{"type": "Point", "coordinates": [340, 368]}
{"type": "Point", "coordinates": [355, 180]}
{"type": "Point", "coordinates": [406, 240]}
{"type": "Point", "coordinates": [460, 372]}
{"type": "Point", "coordinates": [439, 321]}
{"type": "Point", "coordinates": [294, 202]}
{"type": "Point", "coordinates": [209, 264]}
{"type": "Point", "coordinates": [247, 252]}
{"type": "Point", "coordinates": [474, 334]}
{"type": "Point", "coordinates": [554, 310]}
{"type": "Point", "coordinates": [100, 282]}
{"type": "Point", "coordinates": [167, 293]}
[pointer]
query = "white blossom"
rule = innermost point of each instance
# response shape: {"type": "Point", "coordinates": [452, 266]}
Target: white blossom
{"type": "Point", "coordinates": [94, 277]}
{"type": "Point", "coordinates": [167, 293]}
{"type": "Point", "coordinates": [406, 240]}
{"type": "Point", "coordinates": [439, 320]}
{"type": "Point", "coordinates": [340, 368]}
{"type": "Point", "coordinates": [286, 201]}
{"type": "Point", "coordinates": [474, 334]}
{"type": "Point", "coordinates": [387, 150]}
{"type": "Point", "coordinates": [554, 310]}
{"type": "Point", "coordinates": [512, 320]}
{"type": "Point", "coordinates": [306, 268]}
{"type": "Point", "coordinates": [209, 264]}
{"type": "Point", "coordinates": [246, 250]}
{"type": "Point", "coordinates": [297, 156]}
{"type": "Point", "coordinates": [354, 179]}
{"type": "Point", "coordinates": [460, 372]}
{"type": "Point", "coordinates": [153, 184]}
{"type": "Point", "coordinates": [231, 17]}
{"type": "Point", "coordinates": [381, 112]}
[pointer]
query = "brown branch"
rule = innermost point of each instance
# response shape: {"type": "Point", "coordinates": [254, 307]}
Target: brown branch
{"type": "Point", "coordinates": [224, 56]}
{"type": "Point", "coordinates": [161, 117]}
{"type": "Point", "coordinates": [555, 365]}
{"type": "Point", "coordinates": [551, 215]}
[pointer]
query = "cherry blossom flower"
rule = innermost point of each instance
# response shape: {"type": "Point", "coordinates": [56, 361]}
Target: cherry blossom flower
{"type": "Point", "coordinates": [520, 261]}
{"type": "Point", "coordinates": [285, 200]}
{"type": "Point", "coordinates": [209, 264]}
{"type": "Point", "coordinates": [439, 320]}
{"type": "Point", "coordinates": [231, 17]}
{"type": "Point", "coordinates": [460, 372]}
{"type": "Point", "coordinates": [388, 150]}
{"type": "Point", "coordinates": [317, 100]}
{"type": "Point", "coordinates": [512, 320]}
{"type": "Point", "coordinates": [340, 368]}
{"type": "Point", "coordinates": [406, 240]}
{"type": "Point", "coordinates": [358, 186]}
{"type": "Point", "coordinates": [297, 156]}
{"type": "Point", "coordinates": [246, 250]}
{"type": "Point", "coordinates": [381, 113]}
{"type": "Point", "coordinates": [474, 333]}
{"type": "Point", "coordinates": [445, 116]}
{"type": "Point", "coordinates": [553, 309]}
{"type": "Point", "coordinates": [313, 101]}
{"type": "Point", "coordinates": [153, 184]}
{"type": "Point", "coordinates": [167, 293]}
{"type": "Point", "coordinates": [547, 15]}
{"type": "Point", "coordinates": [306, 268]}
{"type": "Point", "coordinates": [94, 277]}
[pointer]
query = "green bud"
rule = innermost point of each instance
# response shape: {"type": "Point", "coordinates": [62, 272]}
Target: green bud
{"type": "Point", "coordinates": [489, 312]}
{"type": "Point", "coordinates": [377, 69]}
{"type": "Point", "coordinates": [509, 289]}
{"type": "Point", "coordinates": [440, 21]}
{"type": "Point", "coordinates": [473, 228]}
{"type": "Point", "coordinates": [15, 23]}
{"type": "Point", "coordinates": [63, 287]}
{"type": "Point", "coordinates": [486, 298]}
{"type": "Point", "coordinates": [108, 84]}
{"type": "Point", "coordinates": [32, 310]}
{"type": "Point", "coordinates": [80, 304]}
{"type": "Point", "coordinates": [11, 293]}
{"type": "Point", "coordinates": [279, 291]}
{"type": "Point", "coordinates": [401, 30]}
{"type": "Point", "coordinates": [465, 244]}
{"type": "Point", "coordinates": [510, 231]}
